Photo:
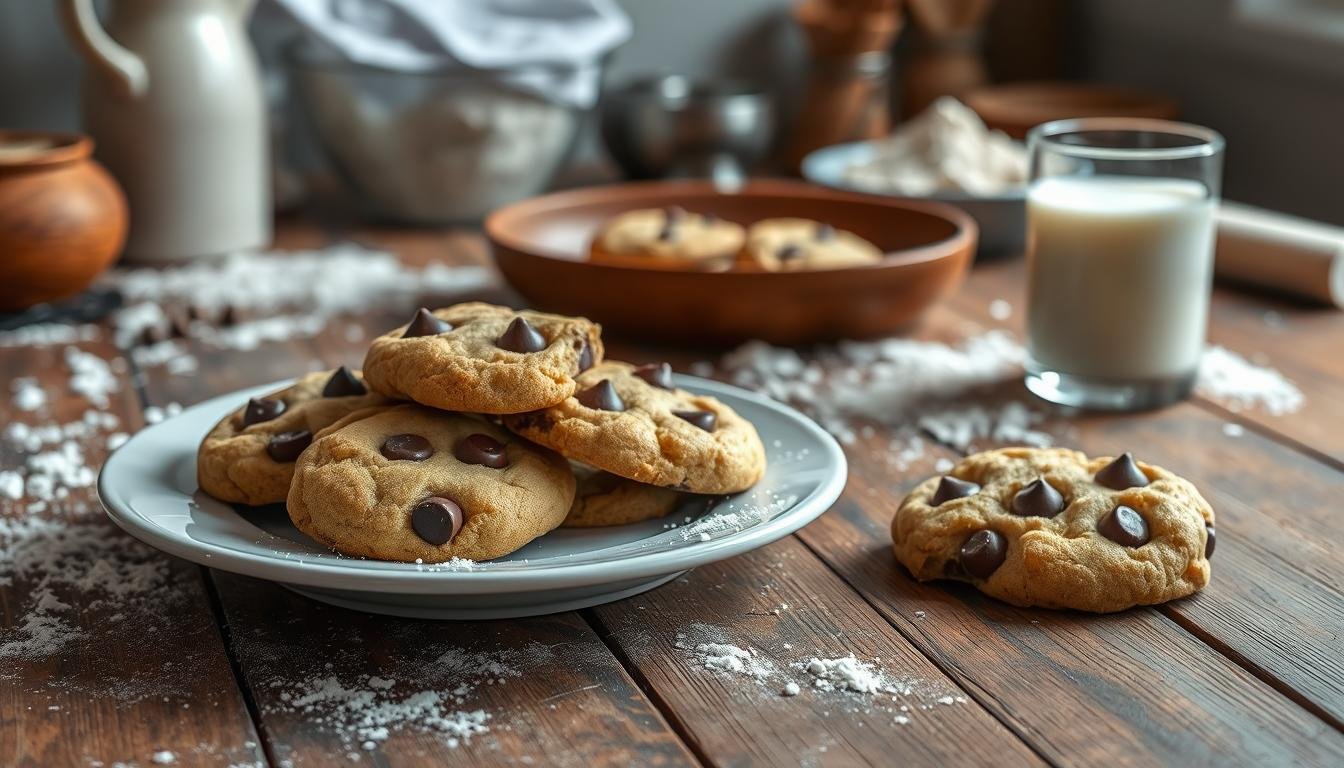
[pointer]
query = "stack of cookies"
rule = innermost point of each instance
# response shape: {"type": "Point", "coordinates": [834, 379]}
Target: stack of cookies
{"type": "Point", "coordinates": [473, 430]}
{"type": "Point", "coordinates": [674, 238]}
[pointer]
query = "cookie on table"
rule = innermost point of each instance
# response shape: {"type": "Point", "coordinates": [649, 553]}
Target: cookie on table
{"type": "Point", "coordinates": [409, 483]}
{"type": "Point", "coordinates": [1053, 528]}
{"type": "Point", "coordinates": [670, 237]}
{"type": "Point", "coordinates": [605, 499]}
{"type": "Point", "coordinates": [634, 422]}
{"type": "Point", "coordinates": [482, 358]}
{"type": "Point", "coordinates": [787, 245]}
{"type": "Point", "coordinates": [248, 458]}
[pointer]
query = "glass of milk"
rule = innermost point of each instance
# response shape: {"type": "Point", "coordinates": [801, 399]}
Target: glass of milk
{"type": "Point", "coordinates": [1120, 234]}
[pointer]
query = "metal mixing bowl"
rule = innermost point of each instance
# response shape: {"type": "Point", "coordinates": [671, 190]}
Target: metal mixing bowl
{"type": "Point", "coordinates": [672, 126]}
{"type": "Point", "coordinates": [443, 146]}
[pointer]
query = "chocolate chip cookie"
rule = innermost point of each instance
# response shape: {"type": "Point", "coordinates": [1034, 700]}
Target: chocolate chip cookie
{"type": "Point", "coordinates": [1053, 528]}
{"type": "Point", "coordinates": [408, 483]}
{"type": "Point", "coordinates": [249, 456]}
{"type": "Point", "coordinates": [787, 245]}
{"type": "Point", "coordinates": [606, 499]}
{"type": "Point", "coordinates": [481, 358]}
{"type": "Point", "coordinates": [668, 237]}
{"type": "Point", "coordinates": [634, 422]}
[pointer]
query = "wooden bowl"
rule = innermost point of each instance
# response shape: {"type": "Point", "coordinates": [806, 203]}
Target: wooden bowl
{"type": "Point", "coordinates": [541, 246]}
{"type": "Point", "coordinates": [1016, 108]}
{"type": "Point", "coordinates": [62, 217]}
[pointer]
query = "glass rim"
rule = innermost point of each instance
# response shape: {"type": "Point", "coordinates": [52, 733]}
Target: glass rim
{"type": "Point", "coordinates": [1210, 142]}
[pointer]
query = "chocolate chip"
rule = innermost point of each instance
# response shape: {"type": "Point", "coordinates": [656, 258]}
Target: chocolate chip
{"type": "Point", "coordinates": [789, 252]}
{"type": "Point", "coordinates": [602, 396]}
{"type": "Point", "coordinates": [1121, 474]}
{"type": "Point", "coordinates": [585, 357]}
{"type": "Point", "coordinates": [982, 553]}
{"type": "Point", "coordinates": [482, 449]}
{"type": "Point", "coordinates": [674, 213]}
{"type": "Point", "coordinates": [1210, 541]}
{"type": "Point", "coordinates": [286, 446]}
{"type": "Point", "coordinates": [520, 336]}
{"type": "Point", "coordinates": [406, 448]}
{"type": "Point", "coordinates": [657, 374]}
{"type": "Point", "coordinates": [437, 520]}
{"type": "Point", "coordinates": [825, 233]}
{"type": "Point", "coordinates": [709, 219]}
{"type": "Point", "coordinates": [705, 420]}
{"type": "Point", "coordinates": [343, 384]}
{"type": "Point", "coordinates": [426, 324]}
{"type": "Point", "coordinates": [1124, 525]}
{"type": "Point", "coordinates": [1038, 499]}
{"type": "Point", "coordinates": [668, 232]}
{"type": "Point", "coordinates": [950, 488]}
{"type": "Point", "coordinates": [261, 409]}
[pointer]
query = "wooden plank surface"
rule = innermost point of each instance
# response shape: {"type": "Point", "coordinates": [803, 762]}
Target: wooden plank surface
{"type": "Point", "coordinates": [129, 662]}
{"type": "Point", "coordinates": [783, 605]}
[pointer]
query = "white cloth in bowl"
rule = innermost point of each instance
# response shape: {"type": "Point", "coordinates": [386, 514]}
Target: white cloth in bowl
{"type": "Point", "coordinates": [551, 47]}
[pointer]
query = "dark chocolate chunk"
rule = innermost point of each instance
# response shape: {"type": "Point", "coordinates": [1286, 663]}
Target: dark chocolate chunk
{"type": "Point", "coordinates": [437, 520]}
{"type": "Point", "coordinates": [674, 213]}
{"type": "Point", "coordinates": [602, 396]}
{"type": "Point", "coordinates": [343, 383]}
{"type": "Point", "coordinates": [1121, 474]}
{"type": "Point", "coordinates": [705, 420]}
{"type": "Point", "coordinates": [426, 324]}
{"type": "Point", "coordinates": [482, 449]}
{"type": "Point", "coordinates": [1124, 525]}
{"type": "Point", "coordinates": [657, 374]}
{"type": "Point", "coordinates": [825, 232]}
{"type": "Point", "coordinates": [668, 232]}
{"type": "Point", "coordinates": [1210, 541]}
{"type": "Point", "coordinates": [520, 336]}
{"type": "Point", "coordinates": [1038, 499]}
{"type": "Point", "coordinates": [585, 357]}
{"type": "Point", "coordinates": [261, 409]}
{"type": "Point", "coordinates": [789, 252]}
{"type": "Point", "coordinates": [982, 553]}
{"type": "Point", "coordinates": [950, 488]}
{"type": "Point", "coordinates": [407, 448]}
{"type": "Point", "coordinates": [709, 219]}
{"type": "Point", "coordinates": [286, 446]}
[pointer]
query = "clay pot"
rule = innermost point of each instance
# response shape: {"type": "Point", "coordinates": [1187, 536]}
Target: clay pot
{"type": "Point", "coordinates": [62, 217]}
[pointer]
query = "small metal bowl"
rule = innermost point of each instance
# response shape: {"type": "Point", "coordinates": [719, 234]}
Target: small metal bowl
{"type": "Point", "coordinates": [672, 126]}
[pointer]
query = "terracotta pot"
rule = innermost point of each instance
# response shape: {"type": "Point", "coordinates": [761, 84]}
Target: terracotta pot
{"type": "Point", "coordinates": [62, 217]}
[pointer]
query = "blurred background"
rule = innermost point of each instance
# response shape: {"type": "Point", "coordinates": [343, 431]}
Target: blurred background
{"type": "Point", "coordinates": [1266, 73]}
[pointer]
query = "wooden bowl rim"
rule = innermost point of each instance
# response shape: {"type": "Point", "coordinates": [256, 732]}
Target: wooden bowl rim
{"type": "Point", "coordinates": [66, 148]}
{"type": "Point", "coordinates": [498, 225]}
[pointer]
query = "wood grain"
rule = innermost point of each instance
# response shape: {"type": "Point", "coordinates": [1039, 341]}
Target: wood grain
{"type": "Point", "coordinates": [138, 674]}
{"type": "Point", "coordinates": [786, 605]}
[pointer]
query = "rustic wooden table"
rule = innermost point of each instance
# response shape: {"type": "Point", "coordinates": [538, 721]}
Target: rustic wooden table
{"type": "Point", "coordinates": [1251, 671]}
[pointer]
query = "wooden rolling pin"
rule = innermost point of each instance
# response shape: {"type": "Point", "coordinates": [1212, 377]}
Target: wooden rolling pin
{"type": "Point", "coordinates": [1281, 253]}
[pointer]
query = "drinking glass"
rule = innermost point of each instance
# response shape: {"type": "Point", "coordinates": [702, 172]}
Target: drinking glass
{"type": "Point", "coordinates": [1120, 236]}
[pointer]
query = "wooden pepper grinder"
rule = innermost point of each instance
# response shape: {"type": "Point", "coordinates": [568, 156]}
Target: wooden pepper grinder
{"type": "Point", "coordinates": [848, 87]}
{"type": "Point", "coordinates": [946, 59]}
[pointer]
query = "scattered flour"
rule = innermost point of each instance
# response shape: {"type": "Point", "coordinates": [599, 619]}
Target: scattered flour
{"type": "Point", "coordinates": [164, 757]}
{"type": "Point", "coordinates": [91, 376]}
{"type": "Point", "coordinates": [47, 334]}
{"type": "Point", "coordinates": [846, 674]}
{"type": "Point", "coordinates": [28, 395]}
{"type": "Point", "coordinates": [1230, 379]}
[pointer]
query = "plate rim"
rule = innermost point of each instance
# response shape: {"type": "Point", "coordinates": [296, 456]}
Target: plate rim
{"type": "Point", "coordinates": [423, 579]}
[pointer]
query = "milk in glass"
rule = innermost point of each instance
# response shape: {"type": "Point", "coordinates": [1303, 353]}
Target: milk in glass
{"type": "Point", "coordinates": [1119, 276]}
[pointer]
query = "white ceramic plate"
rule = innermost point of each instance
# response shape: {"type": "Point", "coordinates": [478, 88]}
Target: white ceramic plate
{"type": "Point", "coordinates": [1001, 218]}
{"type": "Point", "coordinates": [148, 486]}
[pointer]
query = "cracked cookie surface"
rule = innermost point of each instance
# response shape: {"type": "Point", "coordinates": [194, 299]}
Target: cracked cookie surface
{"type": "Point", "coordinates": [1055, 529]}
{"type": "Point", "coordinates": [670, 237]}
{"type": "Point", "coordinates": [482, 358]}
{"type": "Point", "coordinates": [235, 461]}
{"type": "Point", "coordinates": [633, 422]}
{"type": "Point", "coordinates": [406, 482]}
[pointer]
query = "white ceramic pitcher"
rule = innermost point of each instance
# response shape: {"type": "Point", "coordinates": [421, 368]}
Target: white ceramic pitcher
{"type": "Point", "coordinates": [173, 99]}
